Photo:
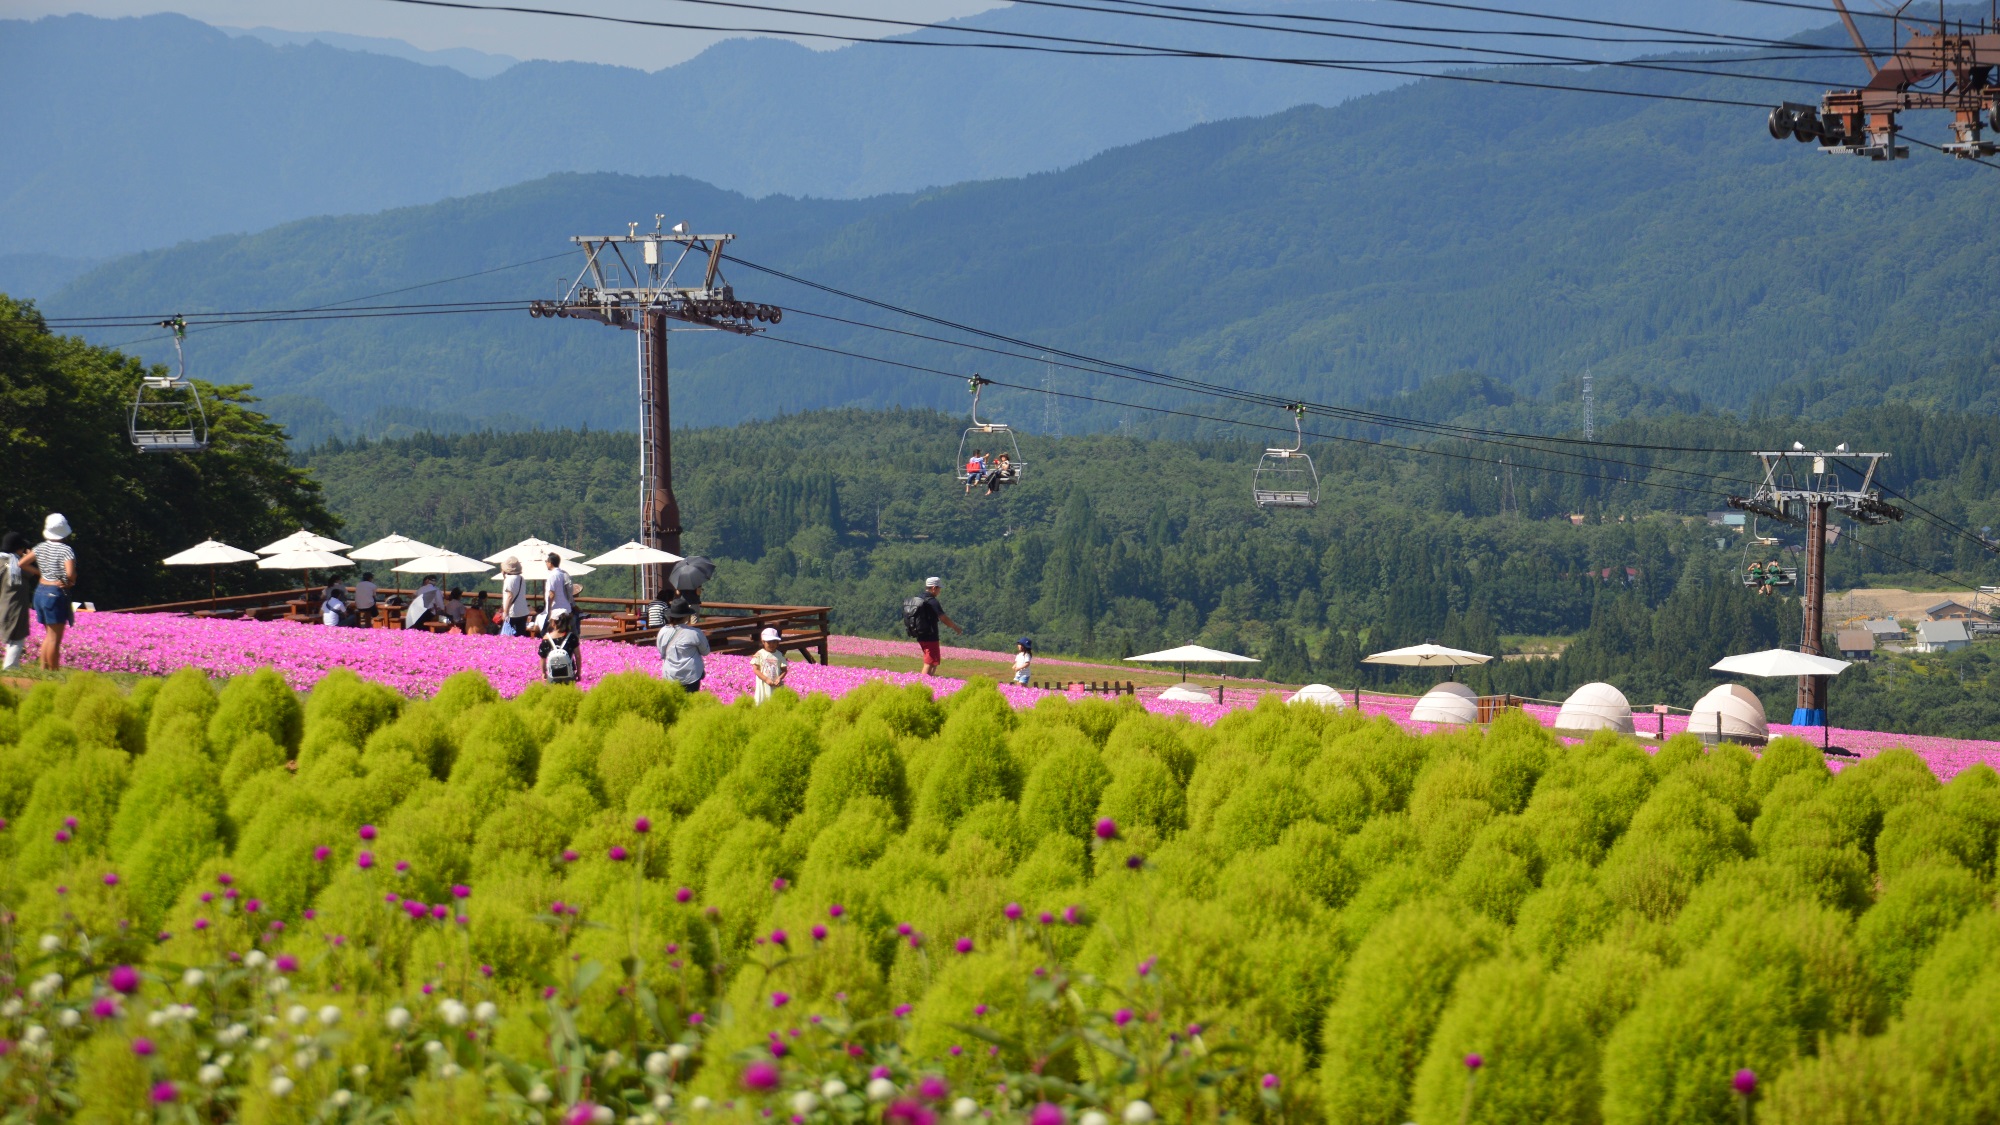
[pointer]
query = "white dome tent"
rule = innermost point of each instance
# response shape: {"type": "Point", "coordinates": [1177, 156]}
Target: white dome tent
{"type": "Point", "coordinates": [1320, 694]}
{"type": "Point", "coordinates": [1450, 704]}
{"type": "Point", "coordinates": [1181, 693]}
{"type": "Point", "coordinates": [1729, 713]}
{"type": "Point", "coordinates": [1595, 707]}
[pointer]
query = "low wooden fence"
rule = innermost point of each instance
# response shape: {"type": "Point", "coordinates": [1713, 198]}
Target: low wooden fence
{"type": "Point", "coordinates": [1092, 687]}
{"type": "Point", "coordinates": [731, 627]}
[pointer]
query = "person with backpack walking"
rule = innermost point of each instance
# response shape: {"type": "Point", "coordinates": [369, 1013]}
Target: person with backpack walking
{"type": "Point", "coordinates": [921, 616]}
{"type": "Point", "coordinates": [561, 650]}
{"type": "Point", "coordinates": [682, 647]}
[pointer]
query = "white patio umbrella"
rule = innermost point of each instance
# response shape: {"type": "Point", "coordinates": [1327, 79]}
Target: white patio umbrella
{"type": "Point", "coordinates": [392, 547]}
{"type": "Point", "coordinates": [302, 540]}
{"type": "Point", "coordinates": [304, 560]}
{"type": "Point", "coordinates": [634, 554]}
{"type": "Point", "coordinates": [211, 554]}
{"type": "Point", "coordinates": [1427, 656]}
{"type": "Point", "coordinates": [443, 562]}
{"type": "Point", "coordinates": [1194, 654]}
{"type": "Point", "coordinates": [534, 548]}
{"type": "Point", "coordinates": [1784, 662]}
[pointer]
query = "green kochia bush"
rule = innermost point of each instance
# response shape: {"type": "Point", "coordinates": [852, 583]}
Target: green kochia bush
{"type": "Point", "coordinates": [1347, 908]}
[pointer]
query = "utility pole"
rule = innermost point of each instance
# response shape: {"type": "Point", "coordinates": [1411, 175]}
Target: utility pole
{"type": "Point", "coordinates": [643, 295]}
{"type": "Point", "coordinates": [1803, 486]}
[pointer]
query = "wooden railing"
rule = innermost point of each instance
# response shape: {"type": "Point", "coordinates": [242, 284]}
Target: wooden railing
{"type": "Point", "coordinates": [731, 627]}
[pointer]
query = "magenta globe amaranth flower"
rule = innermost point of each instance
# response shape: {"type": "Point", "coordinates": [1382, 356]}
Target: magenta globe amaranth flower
{"type": "Point", "coordinates": [1122, 1016]}
{"type": "Point", "coordinates": [780, 999]}
{"type": "Point", "coordinates": [124, 980]}
{"type": "Point", "coordinates": [642, 825]}
{"type": "Point", "coordinates": [1474, 1061]}
{"type": "Point", "coordinates": [1270, 1081]}
{"type": "Point", "coordinates": [683, 894]}
{"type": "Point", "coordinates": [580, 1114]}
{"type": "Point", "coordinates": [1072, 915]}
{"type": "Point", "coordinates": [460, 890]}
{"type": "Point", "coordinates": [110, 878]}
{"type": "Point", "coordinates": [1745, 1082]}
{"type": "Point", "coordinates": [780, 937]}
{"type": "Point", "coordinates": [933, 1088]}
{"type": "Point", "coordinates": [760, 1076]}
{"type": "Point", "coordinates": [569, 855]}
{"type": "Point", "coordinates": [364, 860]}
{"type": "Point", "coordinates": [142, 1047]}
{"type": "Point", "coordinates": [1013, 912]}
{"type": "Point", "coordinates": [105, 1008]}
{"type": "Point", "coordinates": [819, 933]}
{"type": "Point", "coordinates": [1107, 829]}
{"type": "Point", "coordinates": [963, 945]}
{"type": "Point", "coordinates": [1046, 1113]}
{"type": "Point", "coordinates": [164, 1092]}
{"type": "Point", "coordinates": [320, 853]}
{"type": "Point", "coordinates": [368, 832]}
{"type": "Point", "coordinates": [617, 853]}
{"type": "Point", "coordinates": [835, 911]}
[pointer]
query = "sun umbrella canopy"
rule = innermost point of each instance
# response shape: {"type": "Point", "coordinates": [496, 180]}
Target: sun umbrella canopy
{"type": "Point", "coordinates": [303, 540]}
{"type": "Point", "coordinates": [537, 569]}
{"type": "Point", "coordinates": [691, 573]}
{"type": "Point", "coordinates": [210, 553]}
{"type": "Point", "coordinates": [393, 546]}
{"type": "Point", "coordinates": [303, 560]}
{"type": "Point", "coordinates": [633, 554]}
{"type": "Point", "coordinates": [1193, 654]}
{"type": "Point", "coordinates": [443, 562]}
{"type": "Point", "coordinates": [1779, 662]}
{"type": "Point", "coordinates": [1427, 656]}
{"type": "Point", "coordinates": [533, 549]}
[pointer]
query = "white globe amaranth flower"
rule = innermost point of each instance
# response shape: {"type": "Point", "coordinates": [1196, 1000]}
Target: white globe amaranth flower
{"type": "Point", "coordinates": [539, 1094]}
{"type": "Point", "coordinates": [50, 943]}
{"type": "Point", "coordinates": [209, 1075]}
{"type": "Point", "coordinates": [359, 1071]}
{"type": "Point", "coordinates": [452, 1012]}
{"type": "Point", "coordinates": [701, 1104]}
{"type": "Point", "coordinates": [225, 1059]}
{"type": "Point", "coordinates": [329, 1015]}
{"type": "Point", "coordinates": [397, 1018]}
{"type": "Point", "coordinates": [232, 1035]}
{"type": "Point", "coordinates": [156, 1017]}
{"type": "Point", "coordinates": [832, 1089]}
{"type": "Point", "coordinates": [486, 1011]}
{"type": "Point", "coordinates": [658, 1064]}
{"type": "Point", "coordinates": [11, 1008]}
{"type": "Point", "coordinates": [648, 1118]}
{"type": "Point", "coordinates": [303, 1059]}
{"type": "Point", "coordinates": [69, 1017]}
{"type": "Point", "coordinates": [1138, 1113]}
{"type": "Point", "coordinates": [35, 1033]}
{"type": "Point", "coordinates": [255, 959]}
{"type": "Point", "coordinates": [261, 1043]}
{"type": "Point", "coordinates": [1093, 1117]}
{"type": "Point", "coordinates": [663, 1102]}
{"type": "Point", "coordinates": [278, 985]}
{"type": "Point", "coordinates": [297, 1014]}
{"type": "Point", "coordinates": [280, 1086]}
{"type": "Point", "coordinates": [612, 1060]}
{"type": "Point", "coordinates": [804, 1102]}
{"type": "Point", "coordinates": [194, 978]}
{"type": "Point", "coordinates": [881, 1089]}
{"type": "Point", "coordinates": [964, 1108]}
{"type": "Point", "coordinates": [602, 1115]}
{"type": "Point", "coordinates": [433, 1047]}
{"type": "Point", "coordinates": [680, 1052]}
{"type": "Point", "coordinates": [341, 1098]}
{"type": "Point", "coordinates": [450, 1070]}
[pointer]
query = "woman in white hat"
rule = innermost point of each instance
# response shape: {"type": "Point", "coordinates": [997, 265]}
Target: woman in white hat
{"type": "Point", "coordinates": [769, 666]}
{"type": "Point", "coordinates": [57, 561]}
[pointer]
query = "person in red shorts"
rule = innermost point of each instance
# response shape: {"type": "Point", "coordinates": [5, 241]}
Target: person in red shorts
{"type": "Point", "coordinates": [925, 625]}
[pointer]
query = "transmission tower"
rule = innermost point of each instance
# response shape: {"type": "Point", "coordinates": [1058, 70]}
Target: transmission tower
{"type": "Point", "coordinates": [1589, 410]}
{"type": "Point", "coordinates": [1941, 65]}
{"type": "Point", "coordinates": [1051, 404]}
{"type": "Point", "coordinates": [1803, 486]}
{"type": "Point", "coordinates": [1507, 501]}
{"type": "Point", "coordinates": [643, 295]}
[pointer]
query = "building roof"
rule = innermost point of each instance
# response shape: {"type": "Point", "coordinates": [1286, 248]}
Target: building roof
{"type": "Point", "coordinates": [1941, 632]}
{"type": "Point", "coordinates": [1855, 640]}
{"type": "Point", "coordinates": [1883, 626]}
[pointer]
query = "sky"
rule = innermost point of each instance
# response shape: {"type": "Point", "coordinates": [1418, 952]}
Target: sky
{"type": "Point", "coordinates": [505, 33]}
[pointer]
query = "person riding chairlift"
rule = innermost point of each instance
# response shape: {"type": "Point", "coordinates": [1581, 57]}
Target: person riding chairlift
{"type": "Point", "coordinates": [975, 468]}
{"type": "Point", "coordinates": [1000, 473]}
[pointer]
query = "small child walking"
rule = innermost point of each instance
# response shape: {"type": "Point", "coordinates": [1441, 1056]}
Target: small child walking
{"type": "Point", "coordinates": [769, 666]}
{"type": "Point", "coordinates": [1024, 660]}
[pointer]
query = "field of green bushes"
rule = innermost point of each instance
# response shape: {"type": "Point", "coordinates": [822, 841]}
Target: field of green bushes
{"type": "Point", "coordinates": [632, 905]}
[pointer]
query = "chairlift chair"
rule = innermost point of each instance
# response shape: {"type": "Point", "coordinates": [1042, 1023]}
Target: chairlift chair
{"type": "Point", "coordinates": [1285, 478]}
{"type": "Point", "coordinates": [167, 413]}
{"type": "Point", "coordinates": [986, 433]}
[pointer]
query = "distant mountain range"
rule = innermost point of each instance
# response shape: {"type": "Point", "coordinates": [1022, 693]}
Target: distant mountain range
{"type": "Point", "coordinates": [1350, 255]}
{"type": "Point", "coordinates": [135, 134]}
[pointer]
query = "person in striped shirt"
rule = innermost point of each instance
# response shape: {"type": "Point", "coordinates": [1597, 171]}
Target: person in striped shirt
{"type": "Point", "coordinates": [56, 560]}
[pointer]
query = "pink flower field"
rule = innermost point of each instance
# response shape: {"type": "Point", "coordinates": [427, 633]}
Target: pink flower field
{"type": "Point", "coordinates": [416, 663]}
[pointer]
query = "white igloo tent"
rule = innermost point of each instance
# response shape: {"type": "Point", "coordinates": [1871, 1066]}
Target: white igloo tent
{"type": "Point", "coordinates": [1451, 703]}
{"type": "Point", "coordinates": [1181, 693]}
{"type": "Point", "coordinates": [1594, 707]}
{"type": "Point", "coordinates": [1730, 713]}
{"type": "Point", "coordinates": [1320, 694]}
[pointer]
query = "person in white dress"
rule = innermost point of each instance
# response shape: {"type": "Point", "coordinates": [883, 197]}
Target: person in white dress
{"type": "Point", "coordinates": [769, 666]}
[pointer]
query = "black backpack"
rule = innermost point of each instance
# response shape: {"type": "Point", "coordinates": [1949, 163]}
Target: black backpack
{"type": "Point", "coordinates": [913, 615]}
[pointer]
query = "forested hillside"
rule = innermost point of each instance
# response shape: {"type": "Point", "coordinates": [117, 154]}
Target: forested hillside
{"type": "Point", "coordinates": [1114, 545]}
{"type": "Point", "coordinates": [1338, 255]}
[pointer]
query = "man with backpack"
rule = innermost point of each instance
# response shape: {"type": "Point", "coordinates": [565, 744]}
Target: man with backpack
{"type": "Point", "coordinates": [561, 652]}
{"type": "Point", "coordinates": [920, 619]}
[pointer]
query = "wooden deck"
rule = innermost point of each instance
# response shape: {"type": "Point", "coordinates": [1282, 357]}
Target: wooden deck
{"type": "Point", "coordinates": [731, 627]}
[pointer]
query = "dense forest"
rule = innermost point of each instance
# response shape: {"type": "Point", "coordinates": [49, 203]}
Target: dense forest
{"type": "Point", "coordinates": [1113, 545]}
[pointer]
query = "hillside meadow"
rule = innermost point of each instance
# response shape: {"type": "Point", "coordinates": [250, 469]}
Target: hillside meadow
{"type": "Point", "coordinates": [236, 902]}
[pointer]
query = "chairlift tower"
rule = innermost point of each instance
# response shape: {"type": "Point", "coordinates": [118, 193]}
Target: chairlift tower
{"type": "Point", "coordinates": [1803, 486]}
{"type": "Point", "coordinates": [633, 281]}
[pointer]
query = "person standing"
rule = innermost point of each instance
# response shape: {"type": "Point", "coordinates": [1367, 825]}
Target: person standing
{"type": "Point", "coordinates": [558, 593]}
{"type": "Point", "coordinates": [1024, 661]}
{"type": "Point", "coordinates": [769, 666]}
{"type": "Point", "coordinates": [57, 561]}
{"type": "Point", "coordinates": [17, 590]}
{"type": "Point", "coordinates": [364, 599]}
{"type": "Point", "coordinates": [924, 617]}
{"type": "Point", "coordinates": [514, 606]}
{"type": "Point", "coordinates": [682, 647]}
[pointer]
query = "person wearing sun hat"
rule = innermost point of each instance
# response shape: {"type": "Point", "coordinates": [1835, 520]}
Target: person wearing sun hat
{"type": "Point", "coordinates": [56, 559]}
{"type": "Point", "coordinates": [768, 666]}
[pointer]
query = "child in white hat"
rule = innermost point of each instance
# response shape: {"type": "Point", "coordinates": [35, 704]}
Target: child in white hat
{"type": "Point", "coordinates": [769, 666]}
